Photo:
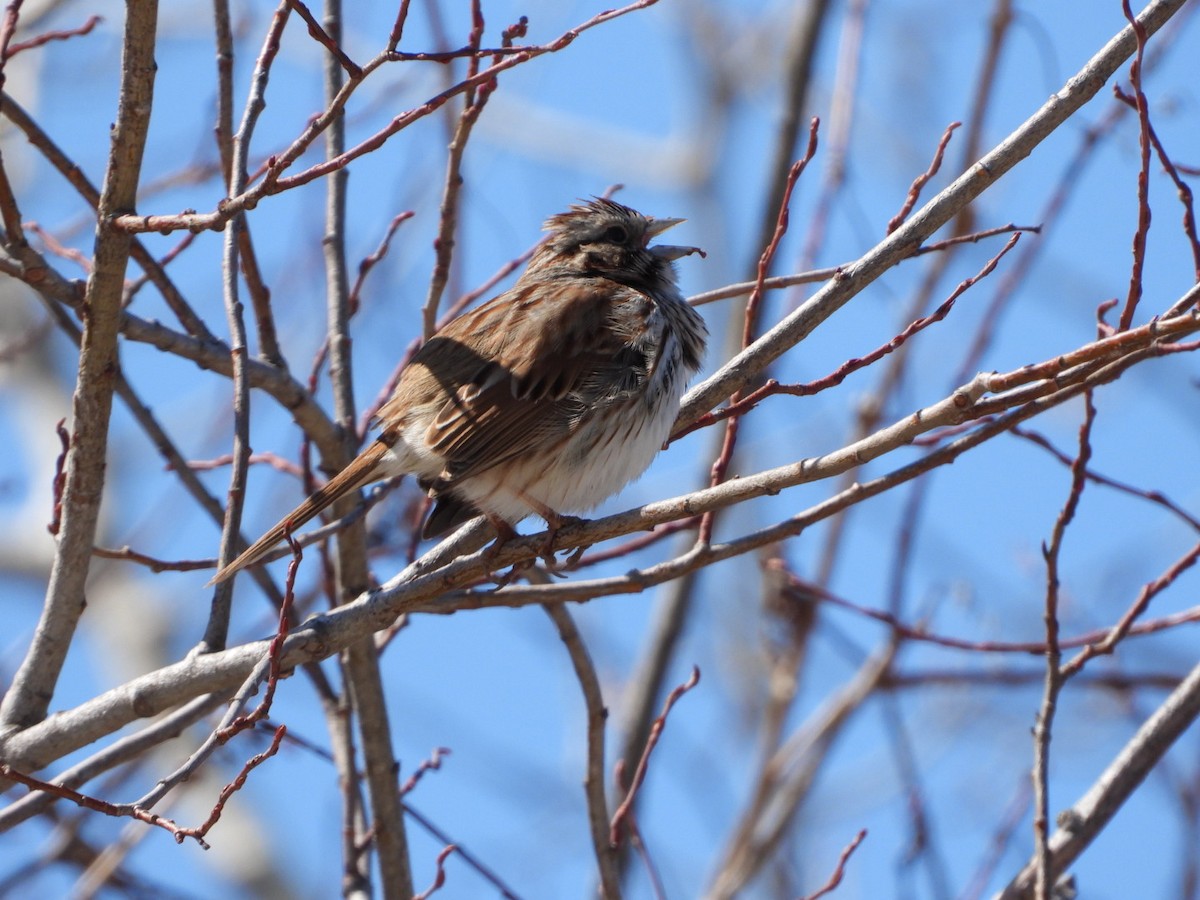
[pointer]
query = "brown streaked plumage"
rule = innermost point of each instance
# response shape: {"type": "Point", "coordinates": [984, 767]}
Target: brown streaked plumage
{"type": "Point", "coordinates": [547, 399]}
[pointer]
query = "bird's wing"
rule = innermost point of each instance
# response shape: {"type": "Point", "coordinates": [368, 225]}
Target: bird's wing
{"type": "Point", "coordinates": [532, 363]}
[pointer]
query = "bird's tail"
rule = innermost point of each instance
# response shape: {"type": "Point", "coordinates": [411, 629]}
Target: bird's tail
{"type": "Point", "coordinates": [362, 471]}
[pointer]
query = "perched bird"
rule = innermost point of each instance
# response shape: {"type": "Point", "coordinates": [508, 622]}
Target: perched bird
{"type": "Point", "coordinates": [547, 399]}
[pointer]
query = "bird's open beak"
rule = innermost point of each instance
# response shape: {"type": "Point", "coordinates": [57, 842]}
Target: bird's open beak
{"type": "Point", "coordinates": [666, 251]}
{"type": "Point", "coordinates": [658, 226]}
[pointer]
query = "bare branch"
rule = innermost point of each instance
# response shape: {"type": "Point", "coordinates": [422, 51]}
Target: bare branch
{"type": "Point", "coordinates": [746, 365]}
{"type": "Point", "coordinates": [33, 684]}
{"type": "Point", "coordinates": [593, 782]}
{"type": "Point", "coordinates": [274, 181]}
{"type": "Point", "coordinates": [1053, 686]}
{"type": "Point", "coordinates": [1080, 824]}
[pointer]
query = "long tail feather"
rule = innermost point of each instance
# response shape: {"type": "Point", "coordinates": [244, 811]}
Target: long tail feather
{"type": "Point", "coordinates": [362, 471]}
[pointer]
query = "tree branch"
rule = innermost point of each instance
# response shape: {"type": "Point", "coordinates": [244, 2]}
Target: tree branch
{"type": "Point", "coordinates": [32, 689]}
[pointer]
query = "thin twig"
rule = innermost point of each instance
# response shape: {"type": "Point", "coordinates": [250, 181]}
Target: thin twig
{"type": "Point", "coordinates": [430, 587]}
{"type": "Point", "coordinates": [62, 34]}
{"type": "Point", "coordinates": [914, 190]}
{"type": "Point", "coordinates": [474, 101]}
{"type": "Point", "coordinates": [593, 782]}
{"type": "Point", "coordinates": [439, 877]}
{"type": "Point", "coordinates": [216, 630]}
{"type": "Point", "coordinates": [750, 317]}
{"type": "Point", "coordinates": [840, 870]}
{"type": "Point", "coordinates": [275, 181]}
{"type": "Point", "coordinates": [1143, 179]}
{"type": "Point", "coordinates": [1087, 818]}
{"type": "Point", "coordinates": [1043, 728]}
{"type": "Point", "coordinates": [639, 774]}
{"type": "Point", "coordinates": [123, 750]}
{"type": "Point", "coordinates": [747, 365]}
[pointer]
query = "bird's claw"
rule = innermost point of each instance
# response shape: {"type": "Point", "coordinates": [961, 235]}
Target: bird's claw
{"type": "Point", "coordinates": [546, 551]}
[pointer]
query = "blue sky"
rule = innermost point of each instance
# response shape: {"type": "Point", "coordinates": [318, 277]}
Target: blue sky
{"type": "Point", "coordinates": [628, 103]}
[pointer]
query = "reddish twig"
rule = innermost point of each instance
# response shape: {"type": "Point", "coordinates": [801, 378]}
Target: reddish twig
{"type": "Point", "coordinates": [275, 653]}
{"type": "Point", "coordinates": [128, 811]}
{"type": "Point", "coordinates": [1125, 626]}
{"type": "Point", "coordinates": [321, 36]}
{"type": "Point", "coordinates": [58, 249]}
{"type": "Point", "coordinates": [274, 181]}
{"type": "Point", "coordinates": [372, 259]}
{"type": "Point", "coordinates": [853, 365]}
{"type": "Point", "coordinates": [1156, 331]}
{"type": "Point", "coordinates": [914, 191]}
{"type": "Point", "coordinates": [840, 870]}
{"type": "Point", "coordinates": [427, 765]}
{"type": "Point", "coordinates": [439, 877]}
{"type": "Point", "coordinates": [920, 633]}
{"type": "Point", "coordinates": [443, 243]}
{"type": "Point", "coordinates": [232, 788]}
{"type": "Point", "coordinates": [781, 227]}
{"type": "Point", "coordinates": [60, 477]}
{"type": "Point", "coordinates": [776, 282]}
{"type": "Point", "coordinates": [8, 27]}
{"type": "Point", "coordinates": [1120, 684]}
{"type": "Point", "coordinates": [740, 405]}
{"type": "Point", "coordinates": [1157, 497]}
{"type": "Point", "coordinates": [49, 36]}
{"type": "Point", "coordinates": [1181, 186]}
{"type": "Point", "coordinates": [975, 237]}
{"type": "Point", "coordinates": [721, 464]}
{"type": "Point", "coordinates": [274, 460]}
{"type": "Point", "coordinates": [10, 210]}
{"type": "Point", "coordinates": [154, 565]}
{"type": "Point", "coordinates": [134, 811]}
{"type": "Point", "coordinates": [398, 26]}
{"type": "Point", "coordinates": [1043, 727]}
{"type": "Point", "coordinates": [464, 854]}
{"type": "Point", "coordinates": [1143, 179]}
{"type": "Point", "coordinates": [639, 775]}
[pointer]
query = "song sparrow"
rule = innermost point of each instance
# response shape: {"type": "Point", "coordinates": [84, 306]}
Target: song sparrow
{"type": "Point", "coordinates": [547, 399]}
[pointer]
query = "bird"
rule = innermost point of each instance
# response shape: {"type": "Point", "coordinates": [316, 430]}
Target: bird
{"type": "Point", "coordinates": [546, 400]}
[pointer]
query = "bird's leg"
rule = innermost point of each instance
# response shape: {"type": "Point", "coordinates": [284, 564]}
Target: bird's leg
{"type": "Point", "coordinates": [504, 533]}
{"type": "Point", "coordinates": [555, 522]}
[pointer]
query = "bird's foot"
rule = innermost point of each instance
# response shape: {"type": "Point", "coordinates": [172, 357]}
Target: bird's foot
{"type": "Point", "coordinates": [504, 579]}
{"type": "Point", "coordinates": [555, 523]}
{"type": "Point", "coordinates": [504, 534]}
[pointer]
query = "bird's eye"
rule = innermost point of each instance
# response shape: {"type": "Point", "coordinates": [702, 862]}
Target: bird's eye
{"type": "Point", "coordinates": [616, 234]}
